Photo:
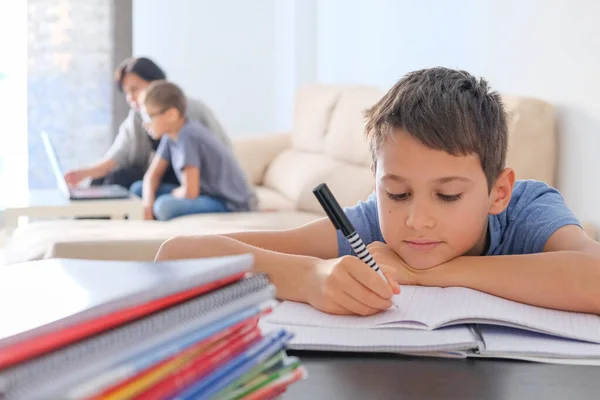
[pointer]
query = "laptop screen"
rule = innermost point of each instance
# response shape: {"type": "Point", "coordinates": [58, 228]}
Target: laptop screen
{"type": "Point", "coordinates": [56, 169]}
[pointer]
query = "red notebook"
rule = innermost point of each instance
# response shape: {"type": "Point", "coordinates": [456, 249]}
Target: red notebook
{"type": "Point", "coordinates": [75, 317]}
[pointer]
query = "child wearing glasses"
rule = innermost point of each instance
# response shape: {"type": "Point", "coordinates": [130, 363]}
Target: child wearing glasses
{"type": "Point", "coordinates": [210, 178]}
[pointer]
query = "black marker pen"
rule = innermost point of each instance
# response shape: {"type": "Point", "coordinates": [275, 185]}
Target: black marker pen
{"type": "Point", "coordinates": [341, 222]}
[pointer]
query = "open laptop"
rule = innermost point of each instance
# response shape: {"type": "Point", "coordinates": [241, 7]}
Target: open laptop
{"type": "Point", "coordinates": [87, 193]}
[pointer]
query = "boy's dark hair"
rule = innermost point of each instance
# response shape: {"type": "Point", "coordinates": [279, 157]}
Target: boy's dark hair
{"type": "Point", "coordinates": [447, 110]}
{"type": "Point", "coordinates": [166, 95]}
{"type": "Point", "coordinates": [142, 67]}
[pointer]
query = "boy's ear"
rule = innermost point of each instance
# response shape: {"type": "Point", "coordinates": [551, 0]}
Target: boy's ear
{"type": "Point", "coordinates": [373, 168]}
{"type": "Point", "coordinates": [501, 192]}
{"type": "Point", "coordinates": [172, 114]}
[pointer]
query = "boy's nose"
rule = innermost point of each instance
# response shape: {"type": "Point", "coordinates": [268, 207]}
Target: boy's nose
{"type": "Point", "coordinates": [419, 218]}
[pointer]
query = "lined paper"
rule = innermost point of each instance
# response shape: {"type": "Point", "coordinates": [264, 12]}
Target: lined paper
{"type": "Point", "coordinates": [437, 307]}
{"type": "Point", "coordinates": [292, 313]}
{"type": "Point", "coordinates": [432, 307]}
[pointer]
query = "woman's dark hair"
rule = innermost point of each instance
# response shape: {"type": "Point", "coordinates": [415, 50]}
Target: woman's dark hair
{"type": "Point", "coordinates": [142, 67]}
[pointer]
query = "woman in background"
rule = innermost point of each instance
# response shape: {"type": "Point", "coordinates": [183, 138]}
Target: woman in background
{"type": "Point", "coordinates": [129, 156]}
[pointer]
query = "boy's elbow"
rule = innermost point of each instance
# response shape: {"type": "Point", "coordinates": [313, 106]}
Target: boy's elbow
{"type": "Point", "coordinates": [165, 250]}
{"type": "Point", "coordinates": [168, 249]}
{"type": "Point", "coordinates": [181, 247]}
{"type": "Point", "coordinates": [595, 295]}
{"type": "Point", "coordinates": [597, 307]}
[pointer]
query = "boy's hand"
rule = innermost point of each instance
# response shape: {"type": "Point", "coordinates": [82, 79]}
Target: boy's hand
{"type": "Point", "coordinates": [390, 261]}
{"type": "Point", "coordinates": [148, 211]}
{"type": "Point", "coordinates": [347, 285]}
{"type": "Point", "coordinates": [178, 192]}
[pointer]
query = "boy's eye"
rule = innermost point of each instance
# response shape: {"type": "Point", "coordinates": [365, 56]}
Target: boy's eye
{"type": "Point", "coordinates": [398, 197]}
{"type": "Point", "coordinates": [449, 198]}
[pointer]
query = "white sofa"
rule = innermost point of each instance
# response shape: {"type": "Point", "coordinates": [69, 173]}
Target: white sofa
{"type": "Point", "coordinates": [326, 145]}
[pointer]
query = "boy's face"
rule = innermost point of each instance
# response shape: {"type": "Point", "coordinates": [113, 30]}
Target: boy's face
{"type": "Point", "coordinates": [156, 120]}
{"type": "Point", "coordinates": [433, 206]}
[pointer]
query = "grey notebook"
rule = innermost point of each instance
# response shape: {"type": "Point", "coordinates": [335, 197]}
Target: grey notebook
{"type": "Point", "coordinates": [49, 295]}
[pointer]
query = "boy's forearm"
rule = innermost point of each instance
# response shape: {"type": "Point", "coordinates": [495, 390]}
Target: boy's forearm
{"type": "Point", "coordinates": [289, 273]}
{"type": "Point", "coordinates": [564, 280]}
{"type": "Point", "coordinates": [183, 192]}
{"type": "Point", "coordinates": [149, 187]}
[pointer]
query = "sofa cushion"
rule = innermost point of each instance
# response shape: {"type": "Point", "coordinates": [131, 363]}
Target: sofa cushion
{"type": "Point", "coordinates": [313, 107]}
{"type": "Point", "coordinates": [532, 138]}
{"type": "Point", "coordinates": [255, 153]}
{"type": "Point", "coordinates": [295, 173]}
{"type": "Point", "coordinates": [345, 139]}
{"type": "Point", "coordinates": [271, 200]}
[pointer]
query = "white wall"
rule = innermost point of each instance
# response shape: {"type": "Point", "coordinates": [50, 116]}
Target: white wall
{"type": "Point", "coordinates": [247, 58]}
{"type": "Point", "coordinates": [221, 52]}
{"type": "Point", "coordinates": [244, 58]}
{"type": "Point", "coordinates": [544, 48]}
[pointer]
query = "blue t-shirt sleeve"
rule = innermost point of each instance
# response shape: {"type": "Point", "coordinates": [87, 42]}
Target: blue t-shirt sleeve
{"type": "Point", "coordinates": [163, 149]}
{"type": "Point", "coordinates": [188, 151]}
{"type": "Point", "coordinates": [365, 219]}
{"type": "Point", "coordinates": [533, 217]}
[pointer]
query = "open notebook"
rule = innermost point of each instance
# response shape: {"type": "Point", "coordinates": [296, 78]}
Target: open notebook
{"type": "Point", "coordinates": [450, 321]}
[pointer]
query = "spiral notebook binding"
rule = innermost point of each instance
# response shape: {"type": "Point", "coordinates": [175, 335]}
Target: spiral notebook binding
{"type": "Point", "coordinates": [23, 380]}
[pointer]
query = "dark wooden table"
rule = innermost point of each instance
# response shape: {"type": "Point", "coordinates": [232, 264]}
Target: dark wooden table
{"type": "Point", "coordinates": [380, 376]}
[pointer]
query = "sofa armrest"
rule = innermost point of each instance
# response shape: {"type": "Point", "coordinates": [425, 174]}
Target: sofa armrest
{"type": "Point", "coordinates": [121, 250]}
{"type": "Point", "coordinates": [255, 153]}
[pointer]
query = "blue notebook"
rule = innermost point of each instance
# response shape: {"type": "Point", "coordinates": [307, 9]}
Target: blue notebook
{"type": "Point", "coordinates": [270, 345]}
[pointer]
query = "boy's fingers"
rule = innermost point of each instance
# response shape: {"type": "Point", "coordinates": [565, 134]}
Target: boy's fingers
{"type": "Point", "coordinates": [362, 294]}
{"type": "Point", "coordinates": [346, 301]}
{"type": "Point", "coordinates": [369, 278]}
{"type": "Point", "coordinates": [393, 284]}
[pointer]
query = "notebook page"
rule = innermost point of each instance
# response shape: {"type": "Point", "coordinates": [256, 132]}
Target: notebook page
{"type": "Point", "coordinates": [437, 307]}
{"type": "Point", "coordinates": [420, 307]}
{"type": "Point", "coordinates": [451, 339]}
{"type": "Point", "coordinates": [293, 313]}
{"type": "Point", "coordinates": [504, 341]}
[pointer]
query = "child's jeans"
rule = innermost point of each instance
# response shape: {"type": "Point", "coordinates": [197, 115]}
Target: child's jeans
{"type": "Point", "coordinates": [167, 207]}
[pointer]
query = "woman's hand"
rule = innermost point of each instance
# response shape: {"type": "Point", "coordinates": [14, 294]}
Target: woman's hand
{"type": "Point", "coordinates": [73, 178]}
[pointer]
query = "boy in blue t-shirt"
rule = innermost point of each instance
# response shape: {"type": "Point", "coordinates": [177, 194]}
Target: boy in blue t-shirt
{"type": "Point", "coordinates": [445, 212]}
{"type": "Point", "coordinates": [211, 180]}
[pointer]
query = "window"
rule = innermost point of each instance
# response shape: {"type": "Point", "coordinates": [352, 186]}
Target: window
{"type": "Point", "coordinates": [13, 100]}
{"type": "Point", "coordinates": [69, 84]}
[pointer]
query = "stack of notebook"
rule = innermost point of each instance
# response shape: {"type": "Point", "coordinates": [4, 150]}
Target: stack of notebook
{"type": "Point", "coordinates": [449, 322]}
{"type": "Point", "coordinates": [119, 330]}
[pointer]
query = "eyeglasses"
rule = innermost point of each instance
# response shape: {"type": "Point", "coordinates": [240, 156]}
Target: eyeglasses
{"type": "Point", "coordinates": [148, 117]}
